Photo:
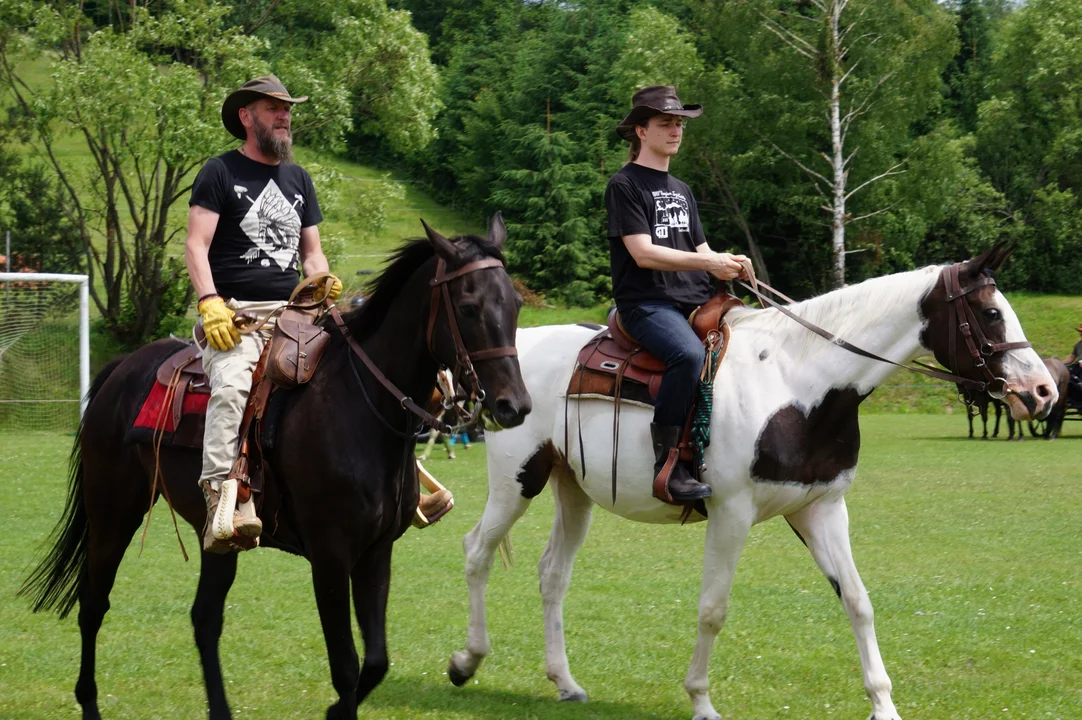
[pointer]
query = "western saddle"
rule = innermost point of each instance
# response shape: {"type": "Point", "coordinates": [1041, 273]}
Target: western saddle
{"type": "Point", "coordinates": [614, 365]}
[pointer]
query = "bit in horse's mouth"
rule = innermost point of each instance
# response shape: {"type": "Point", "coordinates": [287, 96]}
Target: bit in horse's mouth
{"type": "Point", "coordinates": [489, 422]}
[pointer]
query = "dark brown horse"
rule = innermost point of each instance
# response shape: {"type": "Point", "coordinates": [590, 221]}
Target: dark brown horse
{"type": "Point", "coordinates": [341, 482]}
{"type": "Point", "coordinates": [1053, 424]}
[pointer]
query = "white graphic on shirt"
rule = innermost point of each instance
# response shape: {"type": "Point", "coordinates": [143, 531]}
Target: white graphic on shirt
{"type": "Point", "coordinates": [273, 225]}
{"type": "Point", "coordinates": [671, 210]}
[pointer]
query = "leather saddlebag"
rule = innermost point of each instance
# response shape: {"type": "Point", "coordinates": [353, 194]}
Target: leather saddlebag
{"type": "Point", "coordinates": [296, 346]}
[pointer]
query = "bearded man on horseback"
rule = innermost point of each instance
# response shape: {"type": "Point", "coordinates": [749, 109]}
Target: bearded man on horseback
{"type": "Point", "coordinates": [661, 265]}
{"type": "Point", "coordinates": [252, 228]}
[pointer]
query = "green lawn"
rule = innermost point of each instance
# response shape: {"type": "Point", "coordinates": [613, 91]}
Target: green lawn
{"type": "Point", "coordinates": [969, 550]}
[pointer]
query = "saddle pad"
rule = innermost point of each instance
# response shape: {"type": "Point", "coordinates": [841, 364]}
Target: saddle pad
{"type": "Point", "coordinates": [587, 383]}
{"type": "Point", "coordinates": [154, 417]}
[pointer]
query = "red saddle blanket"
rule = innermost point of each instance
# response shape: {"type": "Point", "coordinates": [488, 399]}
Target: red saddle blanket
{"type": "Point", "coordinates": [176, 405]}
{"type": "Point", "coordinates": [155, 414]}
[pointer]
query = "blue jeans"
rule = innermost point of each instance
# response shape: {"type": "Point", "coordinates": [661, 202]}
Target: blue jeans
{"type": "Point", "coordinates": [664, 331]}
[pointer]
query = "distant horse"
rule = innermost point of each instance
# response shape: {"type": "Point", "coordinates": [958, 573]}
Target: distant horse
{"type": "Point", "coordinates": [785, 441]}
{"type": "Point", "coordinates": [977, 403]}
{"type": "Point", "coordinates": [1053, 424]}
{"type": "Point", "coordinates": [341, 481]}
{"type": "Point", "coordinates": [443, 405]}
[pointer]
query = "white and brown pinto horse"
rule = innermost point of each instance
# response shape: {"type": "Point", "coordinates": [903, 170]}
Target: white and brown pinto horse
{"type": "Point", "coordinates": [785, 440]}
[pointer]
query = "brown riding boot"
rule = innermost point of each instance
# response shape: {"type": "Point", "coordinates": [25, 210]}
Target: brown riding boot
{"type": "Point", "coordinates": [682, 487]}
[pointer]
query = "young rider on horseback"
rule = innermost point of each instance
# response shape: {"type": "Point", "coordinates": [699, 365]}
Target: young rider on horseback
{"type": "Point", "coordinates": [252, 226]}
{"type": "Point", "coordinates": [661, 265]}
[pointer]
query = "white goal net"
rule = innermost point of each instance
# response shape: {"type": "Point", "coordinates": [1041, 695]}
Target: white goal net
{"type": "Point", "coordinates": [44, 350]}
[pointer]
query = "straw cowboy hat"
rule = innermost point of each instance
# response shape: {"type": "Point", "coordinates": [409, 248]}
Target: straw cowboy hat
{"type": "Point", "coordinates": [654, 100]}
{"type": "Point", "coordinates": [267, 86]}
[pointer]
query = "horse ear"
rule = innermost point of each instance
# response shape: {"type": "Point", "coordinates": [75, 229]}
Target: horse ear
{"type": "Point", "coordinates": [991, 259]}
{"type": "Point", "coordinates": [444, 247]}
{"type": "Point", "coordinates": [497, 232]}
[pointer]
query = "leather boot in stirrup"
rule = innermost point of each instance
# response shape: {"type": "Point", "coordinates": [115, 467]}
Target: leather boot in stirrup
{"type": "Point", "coordinates": [243, 532]}
{"type": "Point", "coordinates": [683, 487]}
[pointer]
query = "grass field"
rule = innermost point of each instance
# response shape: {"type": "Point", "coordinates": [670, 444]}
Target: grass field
{"type": "Point", "coordinates": [969, 549]}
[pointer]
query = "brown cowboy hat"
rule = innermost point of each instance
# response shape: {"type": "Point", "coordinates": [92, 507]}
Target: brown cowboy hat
{"type": "Point", "coordinates": [654, 100]}
{"type": "Point", "coordinates": [267, 86]}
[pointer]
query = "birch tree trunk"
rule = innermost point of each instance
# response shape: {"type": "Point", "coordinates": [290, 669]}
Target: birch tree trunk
{"type": "Point", "coordinates": [837, 158]}
{"type": "Point", "coordinates": [823, 41]}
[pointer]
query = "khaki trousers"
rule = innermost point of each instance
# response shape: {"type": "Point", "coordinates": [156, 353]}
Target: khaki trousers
{"type": "Point", "coordinates": [230, 375]}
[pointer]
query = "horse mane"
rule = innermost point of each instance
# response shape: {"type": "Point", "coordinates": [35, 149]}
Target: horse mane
{"type": "Point", "coordinates": [845, 312]}
{"type": "Point", "coordinates": [382, 291]}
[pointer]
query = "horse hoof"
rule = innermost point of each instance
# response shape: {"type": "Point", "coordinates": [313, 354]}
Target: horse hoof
{"type": "Point", "coordinates": [458, 678]}
{"type": "Point", "coordinates": [715, 716]}
{"type": "Point", "coordinates": [578, 696]}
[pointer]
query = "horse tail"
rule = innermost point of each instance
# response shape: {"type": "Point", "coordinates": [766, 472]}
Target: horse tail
{"type": "Point", "coordinates": [54, 583]}
{"type": "Point", "coordinates": [506, 551]}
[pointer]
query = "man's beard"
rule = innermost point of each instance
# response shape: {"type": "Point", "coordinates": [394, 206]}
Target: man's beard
{"type": "Point", "coordinates": [280, 149]}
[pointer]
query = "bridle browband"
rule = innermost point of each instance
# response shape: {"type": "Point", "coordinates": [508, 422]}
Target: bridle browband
{"type": "Point", "coordinates": [463, 358]}
{"type": "Point", "coordinates": [958, 311]}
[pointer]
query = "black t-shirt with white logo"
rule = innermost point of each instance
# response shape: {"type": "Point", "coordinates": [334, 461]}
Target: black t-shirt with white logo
{"type": "Point", "coordinates": [254, 254]}
{"type": "Point", "coordinates": [644, 201]}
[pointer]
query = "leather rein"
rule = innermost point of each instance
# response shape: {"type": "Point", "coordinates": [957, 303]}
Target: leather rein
{"type": "Point", "coordinates": [959, 312]}
{"type": "Point", "coordinates": [463, 357]}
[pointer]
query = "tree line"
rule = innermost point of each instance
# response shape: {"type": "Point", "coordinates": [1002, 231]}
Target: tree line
{"type": "Point", "coordinates": [842, 139]}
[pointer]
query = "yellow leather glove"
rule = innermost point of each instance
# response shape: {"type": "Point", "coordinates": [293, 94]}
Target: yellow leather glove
{"type": "Point", "coordinates": [218, 325]}
{"type": "Point", "coordinates": [335, 288]}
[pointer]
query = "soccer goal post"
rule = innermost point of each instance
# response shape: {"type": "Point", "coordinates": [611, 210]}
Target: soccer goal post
{"type": "Point", "coordinates": [44, 350]}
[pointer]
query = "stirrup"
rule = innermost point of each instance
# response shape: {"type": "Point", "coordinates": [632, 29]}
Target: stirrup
{"type": "Point", "coordinates": [428, 513]}
{"type": "Point", "coordinates": [225, 525]}
{"type": "Point", "coordinates": [222, 522]}
{"type": "Point", "coordinates": [431, 507]}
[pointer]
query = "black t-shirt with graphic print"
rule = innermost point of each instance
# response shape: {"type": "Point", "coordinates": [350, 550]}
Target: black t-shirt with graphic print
{"type": "Point", "coordinates": [254, 254]}
{"type": "Point", "coordinates": [644, 201]}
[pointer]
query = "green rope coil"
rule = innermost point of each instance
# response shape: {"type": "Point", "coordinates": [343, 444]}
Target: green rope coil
{"type": "Point", "coordinates": [704, 407]}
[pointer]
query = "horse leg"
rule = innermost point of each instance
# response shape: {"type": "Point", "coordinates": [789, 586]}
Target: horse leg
{"type": "Point", "coordinates": [113, 516]}
{"type": "Point", "coordinates": [216, 575]}
{"type": "Point", "coordinates": [726, 531]}
{"type": "Point", "coordinates": [824, 528]}
{"type": "Point", "coordinates": [999, 413]}
{"type": "Point", "coordinates": [573, 512]}
{"type": "Point", "coordinates": [331, 581]}
{"type": "Point", "coordinates": [504, 507]}
{"type": "Point", "coordinates": [371, 583]}
{"type": "Point", "coordinates": [984, 419]}
{"type": "Point", "coordinates": [429, 445]}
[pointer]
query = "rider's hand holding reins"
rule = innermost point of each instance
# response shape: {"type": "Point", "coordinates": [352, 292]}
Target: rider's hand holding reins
{"type": "Point", "coordinates": [335, 288]}
{"type": "Point", "coordinates": [727, 266]}
{"type": "Point", "coordinates": [218, 325]}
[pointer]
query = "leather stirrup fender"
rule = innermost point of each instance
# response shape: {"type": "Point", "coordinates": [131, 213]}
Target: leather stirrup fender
{"type": "Point", "coordinates": [661, 482]}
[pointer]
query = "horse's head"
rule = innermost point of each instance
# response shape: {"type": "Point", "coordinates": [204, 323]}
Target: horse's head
{"type": "Point", "coordinates": [473, 319]}
{"type": "Point", "coordinates": [973, 331]}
